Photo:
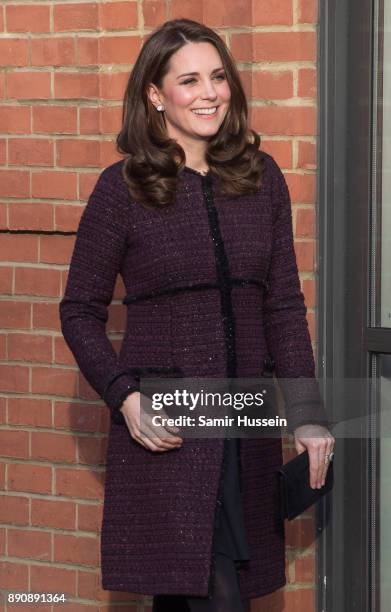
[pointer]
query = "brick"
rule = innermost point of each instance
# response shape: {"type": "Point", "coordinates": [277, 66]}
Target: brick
{"type": "Point", "coordinates": [14, 378]}
{"type": "Point", "coordinates": [52, 184]}
{"type": "Point", "coordinates": [51, 579]}
{"type": "Point", "coordinates": [53, 513]}
{"type": "Point", "coordinates": [29, 411]}
{"type": "Point", "coordinates": [53, 447]}
{"type": "Point", "coordinates": [82, 153]}
{"type": "Point", "coordinates": [14, 443]}
{"type": "Point", "coordinates": [90, 120]}
{"type": "Point", "coordinates": [74, 416]}
{"type": "Point", "coordinates": [14, 247]}
{"type": "Point", "coordinates": [29, 85]}
{"type": "Point", "coordinates": [192, 10]}
{"type": "Point", "coordinates": [14, 314]}
{"type": "Point", "coordinates": [6, 280]}
{"type": "Point", "coordinates": [14, 183]}
{"type": "Point", "coordinates": [307, 11]}
{"type": "Point", "coordinates": [30, 152]}
{"type": "Point", "coordinates": [112, 85]}
{"type": "Point", "coordinates": [274, 46]}
{"type": "Point", "coordinates": [54, 119]}
{"type": "Point", "coordinates": [284, 120]}
{"type": "Point", "coordinates": [14, 120]}
{"type": "Point", "coordinates": [300, 533]}
{"type": "Point", "coordinates": [305, 223]}
{"type": "Point", "coordinates": [281, 150]}
{"type": "Point", "coordinates": [118, 15]}
{"type": "Point", "coordinates": [30, 477]}
{"type": "Point", "coordinates": [119, 49]}
{"type": "Point", "coordinates": [45, 316]}
{"type": "Point", "coordinates": [25, 18]}
{"type": "Point", "coordinates": [53, 381]}
{"type": "Point", "coordinates": [14, 509]}
{"type": "Point", "coordinates": [272, 12]}
{"type": "Point", "coordinates": [70, 85]}
{"type": "Point", "coordinates": [90, 517]}
{"type": "Point", "coordinates": [155, 11]}
{"type": "Point", "coordinates": [305, 254]}
{"type": "Point", "coordinates": [29, 544]}
{"type": "Point", "coordinates": [92, 451]}
{"type": "Point", "coordinates": [83, 483]}
{"type": "Point", "coordinates": [307, 84]}
{"type": "Point", "coordinates": [306, 155]}
{"type": "Point", "coordinates": [32, 216]}
{"type": "Point", "coordinates": [305, 569]}
{"type": "Point", "coordinates": [87, 50]}
{"type": "Point", "coordinates": [37, 281]}
{"type": "Point", "coordinates": [309, 290]}
{"type": "Point", "coordinates": [14, 576]}
{"type": "Point", "coordinates": [75, 17]}
{"type": "Point", "coordinates": [13, 52]}
{"type": "Point", "coordinates": [76, 549]}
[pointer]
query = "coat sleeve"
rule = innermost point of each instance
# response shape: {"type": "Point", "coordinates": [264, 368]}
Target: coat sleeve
{"type": "Point", "coordinates": [286, 327]}
{"type": "Point", "coordinates": [101, 241]}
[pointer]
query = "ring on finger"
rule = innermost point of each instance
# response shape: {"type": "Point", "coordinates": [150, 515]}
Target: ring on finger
{"type": "Point", "coordinates": [329, 457]}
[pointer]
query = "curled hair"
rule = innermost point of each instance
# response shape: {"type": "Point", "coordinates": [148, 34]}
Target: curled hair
{"type": "Point", "coordinates": [153, 160]}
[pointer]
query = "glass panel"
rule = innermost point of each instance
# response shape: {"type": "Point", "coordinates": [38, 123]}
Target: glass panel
{"type": "Point", "coordinates": [385, 168]}
{"type": "Point", "coordinates": [385, 484]}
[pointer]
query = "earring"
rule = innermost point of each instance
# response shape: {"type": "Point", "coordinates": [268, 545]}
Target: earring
{"type": "Point", "coordinates": [160, 107]}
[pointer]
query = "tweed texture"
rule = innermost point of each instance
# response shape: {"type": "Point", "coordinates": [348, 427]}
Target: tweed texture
{"type": "Point", "coordinates": [212, 289]}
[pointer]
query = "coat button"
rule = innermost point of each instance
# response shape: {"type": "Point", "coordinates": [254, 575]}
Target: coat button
{"type": "Point", "coordinates": [269, 363]}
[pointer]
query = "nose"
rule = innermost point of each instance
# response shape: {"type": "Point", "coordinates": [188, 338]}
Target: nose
{"type": "Point", "coordinates": [209, 90]}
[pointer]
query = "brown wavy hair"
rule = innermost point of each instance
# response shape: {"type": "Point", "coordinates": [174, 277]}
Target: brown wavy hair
{"type": "Point", "coordinates": [153, 160]}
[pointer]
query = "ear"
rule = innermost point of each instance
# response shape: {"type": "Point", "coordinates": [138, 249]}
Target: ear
{"type": "Point", "coordinates": [153, 94]}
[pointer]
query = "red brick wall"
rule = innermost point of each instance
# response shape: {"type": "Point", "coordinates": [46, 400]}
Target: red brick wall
{"type": "Point", "coordinates": [63, 68]}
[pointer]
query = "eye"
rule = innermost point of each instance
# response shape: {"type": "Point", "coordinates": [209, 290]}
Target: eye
{"type": "Point", "coordinates": [219, 76]}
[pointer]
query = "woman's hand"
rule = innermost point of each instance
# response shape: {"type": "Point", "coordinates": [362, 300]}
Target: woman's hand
{"type": "Point", "coordinates": [141, 428]}
{"type": "Point", "coordinates": [319, 442]}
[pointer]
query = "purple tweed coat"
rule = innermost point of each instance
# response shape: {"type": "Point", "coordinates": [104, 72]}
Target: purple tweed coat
{"type": "Point", "coordinates": [212, 289]}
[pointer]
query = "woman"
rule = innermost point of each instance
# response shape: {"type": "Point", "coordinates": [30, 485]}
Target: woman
{"type": "Point", "coordinates": [197, 220]}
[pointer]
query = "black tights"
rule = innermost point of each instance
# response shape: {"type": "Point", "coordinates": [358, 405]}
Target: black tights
{"type": "Point", "coordinates": [226, 594]}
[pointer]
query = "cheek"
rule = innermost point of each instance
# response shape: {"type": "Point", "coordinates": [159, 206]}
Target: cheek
{"type": "Point", "coordinates": [225, 92]}
{"type": "Point", "coordinates": [182, 98]}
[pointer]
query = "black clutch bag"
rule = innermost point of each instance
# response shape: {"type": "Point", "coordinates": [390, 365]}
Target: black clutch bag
{"type": "Point", "coordinates": [296, 495]}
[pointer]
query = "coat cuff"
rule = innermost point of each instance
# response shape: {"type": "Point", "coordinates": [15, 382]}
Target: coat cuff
{"type": "Point", "coordinates": [306, 414]}
{"type": "Point", "coordinates": [303, 402]}
{"type": "Point", "coordinates": [117, 389]}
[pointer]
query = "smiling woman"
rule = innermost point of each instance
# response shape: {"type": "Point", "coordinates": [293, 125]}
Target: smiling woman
{"type": "Point", "coordinates": [186, 106]}
{"type": "Point", "coordinates": [194, 108]}
{"type": "Point", "coordinates": [212, 290]}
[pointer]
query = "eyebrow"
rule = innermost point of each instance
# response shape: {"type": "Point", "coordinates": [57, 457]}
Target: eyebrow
{"type": "Point", "coordinates": [196, 73]}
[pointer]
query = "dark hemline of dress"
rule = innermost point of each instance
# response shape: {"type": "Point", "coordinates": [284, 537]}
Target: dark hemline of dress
{"type": "Point", "coordinates": [230, 534]}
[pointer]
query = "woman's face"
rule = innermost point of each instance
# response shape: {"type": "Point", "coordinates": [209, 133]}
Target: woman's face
{"type": "Point", "coordinates": [183, 93]}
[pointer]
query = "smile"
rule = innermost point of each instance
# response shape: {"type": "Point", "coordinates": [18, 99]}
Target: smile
{"type": "Point", "coordinates": [205, 113]}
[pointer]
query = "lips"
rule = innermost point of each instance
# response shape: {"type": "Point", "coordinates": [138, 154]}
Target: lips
{"type": "Point", "coordinates": [204, 108]}
{"type": "Point", "coordinates": [205, 115]}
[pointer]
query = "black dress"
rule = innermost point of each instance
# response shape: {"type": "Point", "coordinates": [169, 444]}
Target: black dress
{"type": "Point", "coordinates": [230, 533]}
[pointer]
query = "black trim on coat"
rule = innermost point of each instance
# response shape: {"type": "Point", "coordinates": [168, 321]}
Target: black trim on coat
{"type": "Point", "coordinates": [241, 282]}
{"type": "Point", "coordinates": [225, 285]}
